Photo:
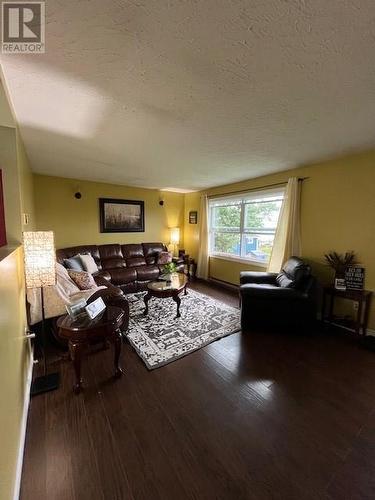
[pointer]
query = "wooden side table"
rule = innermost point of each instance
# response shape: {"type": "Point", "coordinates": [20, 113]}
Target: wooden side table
{"type": "Point", "coordinates": [82, 331]}
{"type": "Point", "coordinates": [363, 297]}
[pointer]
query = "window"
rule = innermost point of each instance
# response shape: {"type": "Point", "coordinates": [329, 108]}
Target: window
{"type": "Point", "coordinates": [244, 227]}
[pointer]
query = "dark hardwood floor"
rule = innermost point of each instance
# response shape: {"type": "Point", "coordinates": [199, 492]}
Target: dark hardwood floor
{"type": "Point", "coordinates": [251, 416]}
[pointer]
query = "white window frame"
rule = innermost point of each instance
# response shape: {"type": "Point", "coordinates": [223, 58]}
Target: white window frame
{"type": "Point", "coordinates": [242, 200]}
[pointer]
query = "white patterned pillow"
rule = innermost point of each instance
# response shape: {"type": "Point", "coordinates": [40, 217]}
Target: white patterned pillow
{"type": "Point", "coordinates": [89, 263]}
{"type": "Point", "coordinates": [82, 279]}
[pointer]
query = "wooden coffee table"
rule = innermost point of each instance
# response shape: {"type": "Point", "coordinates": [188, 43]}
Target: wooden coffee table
{"type": "Point", "coordinates": [162, 290]}
{"type": "Point", "coordinates": [83, 331]}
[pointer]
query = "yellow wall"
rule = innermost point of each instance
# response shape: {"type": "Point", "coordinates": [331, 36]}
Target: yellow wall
{"type": "Point", "coordinates": [14, 363]}
{"type": "Point", "coordinates": [338, 213]}
{"type": "Point", "coordinates": [15, 354]}
{"type": "Point", "coordinates": [76, 222]}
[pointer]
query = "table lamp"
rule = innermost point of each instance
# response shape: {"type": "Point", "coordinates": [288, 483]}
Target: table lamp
{"type": "Point", "coordinates": [39, 256]}
{"type": "Point", "coordinates": [175, 237]}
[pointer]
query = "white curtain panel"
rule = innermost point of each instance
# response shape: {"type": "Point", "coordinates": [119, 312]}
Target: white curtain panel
{"type": "Point", "coordinates": [288, 234]}
{"type": "Point", "coordinates": [202, 267]}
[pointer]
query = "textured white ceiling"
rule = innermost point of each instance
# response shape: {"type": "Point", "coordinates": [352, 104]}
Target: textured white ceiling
{"type": "Point", "coordinates": [195, 93]}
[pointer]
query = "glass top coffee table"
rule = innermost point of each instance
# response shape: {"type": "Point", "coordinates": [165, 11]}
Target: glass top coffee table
{"type": "Point", "coordinates": [164, 290]}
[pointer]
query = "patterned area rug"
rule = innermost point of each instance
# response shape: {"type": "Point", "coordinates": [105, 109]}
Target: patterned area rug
{"type": "Point", "coordinates": [159, 338]}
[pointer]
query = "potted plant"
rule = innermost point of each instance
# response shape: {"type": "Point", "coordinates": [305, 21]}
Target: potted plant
{"type": "Point", "coordinates": [339, 263]}
{"type": "Point", "coordinates": [168, 270]}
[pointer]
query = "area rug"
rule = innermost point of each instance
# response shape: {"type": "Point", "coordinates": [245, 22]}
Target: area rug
{"type": "Point", "coordinates": [160, 338]}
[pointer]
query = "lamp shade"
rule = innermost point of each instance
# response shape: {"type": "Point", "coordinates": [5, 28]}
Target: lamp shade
{"type": "Point", "coordinates": [39, 255]}
{"type": "Point", "coordinates": [175, 235]}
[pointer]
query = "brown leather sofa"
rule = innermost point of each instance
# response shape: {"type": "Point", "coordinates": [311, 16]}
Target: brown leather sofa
{"type": "Point", "coordinates": [129, 267]}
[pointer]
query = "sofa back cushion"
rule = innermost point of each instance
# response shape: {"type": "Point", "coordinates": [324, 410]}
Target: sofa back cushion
{"type": "Point", "coordinates": [66, 253]}
{"type": "Point", "coordinates": [111, 256]}
{"type": "Point", "coordinates": [151, 251]}
{"type": "Point", "coordinates": [133, 255]}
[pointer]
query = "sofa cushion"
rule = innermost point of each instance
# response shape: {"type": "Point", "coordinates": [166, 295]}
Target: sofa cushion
{"type": "Point", "coordinates": [152, 250]}
{"type": "Point", "coordinates": [114, 263]}
{"type": "Point", "coordinates": [132, 250]}
{"type": "Point", "coordinates": [82, 279]}
{"type": "Point", "coordinates": [136, 262]}
{"type": "Point", "coordinates": [110, 251]}
{"type": "Point", "coordinates": [122, 276]}
{"type": "Point", "coordinates": [294, 273]}
{"type": "Point", "coordinates": [147, 273]}
{"type": "Point", "coordinates": [89, 264]}
{"type": "Point", "coordinates": [164, 258]}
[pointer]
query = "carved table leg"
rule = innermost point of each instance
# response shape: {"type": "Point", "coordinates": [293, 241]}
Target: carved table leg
{"type": "Point", "coordinates": [185, 290]}
{"type": "Point", "coordinates": [146, 299]}
{"type": "Point", "coordinates": [76, 350]}
{"type": "Point", "coordinates": [118, 343]}
{"type": "Point", "coordinates": [177, 299]}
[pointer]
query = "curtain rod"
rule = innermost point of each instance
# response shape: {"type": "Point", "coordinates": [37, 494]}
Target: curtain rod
{"type": "Point", "coordinates": [301, 179]}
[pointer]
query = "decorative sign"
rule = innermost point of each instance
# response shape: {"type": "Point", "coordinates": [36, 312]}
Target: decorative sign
{"type": "Point", "coordinates": [193, 217]}
{"type": "Point", "coordinates": [95, 308]}
{"type": "Point", "coordinates": [355, 278]}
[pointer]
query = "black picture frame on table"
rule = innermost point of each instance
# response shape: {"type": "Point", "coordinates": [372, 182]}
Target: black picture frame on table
{"type": "Point", "coordinates": [127, 222]}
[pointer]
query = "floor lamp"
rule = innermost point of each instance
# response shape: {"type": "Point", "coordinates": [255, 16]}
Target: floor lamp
{"type": "Point", "coordinates": [39, 255]}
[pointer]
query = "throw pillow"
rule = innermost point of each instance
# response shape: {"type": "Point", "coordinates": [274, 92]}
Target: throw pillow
{"type": "Point", "coordinates": [82, 279]}
{"type": "Point", "coordinates": [74, 263]}
{"type": "Point", "coordinates": [164, 258]}
{"type": "Point", "coordinates": [89, 264]}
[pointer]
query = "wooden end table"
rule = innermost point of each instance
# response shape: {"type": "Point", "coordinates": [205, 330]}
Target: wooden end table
{"type": "Point", "coordinates": [82, 331]}
{"type": "Point", "coordinates": [363, 297]}
{"type": "Point", "coordinates": [161, 290]}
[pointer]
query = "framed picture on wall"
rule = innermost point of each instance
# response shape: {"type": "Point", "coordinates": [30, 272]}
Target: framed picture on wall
{"type": "Point", "coordinates": [3, 235]}
{"type": "Point", "coordinates": [193, 217]}
{"type": "Point", "coordinates": [121, 216]}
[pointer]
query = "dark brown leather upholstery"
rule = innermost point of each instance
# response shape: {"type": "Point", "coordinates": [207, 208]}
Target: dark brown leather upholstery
{"type": "Point", "coordinates": [129, 267]}
{"type": "Point", "coordinates": [121, 276]}
{"type": "Point", "coordinates": [284, 299]}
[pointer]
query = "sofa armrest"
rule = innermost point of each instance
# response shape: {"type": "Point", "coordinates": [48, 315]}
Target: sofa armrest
{"type": "Point", "coordinates": [266, 291]}
{"type": "Point", "coordinates": [257, 277]}
{"type": "Point", "coordinates": [106, 293]}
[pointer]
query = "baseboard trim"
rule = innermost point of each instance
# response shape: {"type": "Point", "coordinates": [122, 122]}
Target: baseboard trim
{"type": "Point", "coordinates": [25, 411]}
{"type": "Point", "coordinates": [224, 284]}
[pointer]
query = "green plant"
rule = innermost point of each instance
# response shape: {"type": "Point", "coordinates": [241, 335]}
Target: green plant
{"type": "Point", "coordinates": [169, 268]}
{"type": "Point", "coordinates": [340, 262]}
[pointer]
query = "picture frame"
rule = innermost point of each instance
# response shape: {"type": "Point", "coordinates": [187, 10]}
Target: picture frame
{"type": "Point", "coordinates": [193, 217]}
{"type": "Point", "coordinates": [95, 308]}
{"type": "Point", "coordinates": [76, 308]}
{"type": "Point", "coordinates": [121, 216]}
{"type": "Point", "coordinates": [3, 234]}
